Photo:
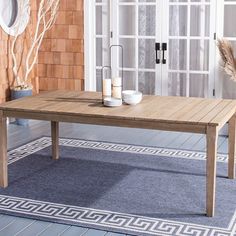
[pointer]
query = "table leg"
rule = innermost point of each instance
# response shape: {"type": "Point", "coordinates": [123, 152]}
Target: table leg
{"type": "Point", "coordinates": [232, 148]}
{"type": "Point", "coordinates": [212, 136]}
{"type": "Point", "coordinates": [55, 139]}
{"type": "Point", "coordinates": [3, 151]}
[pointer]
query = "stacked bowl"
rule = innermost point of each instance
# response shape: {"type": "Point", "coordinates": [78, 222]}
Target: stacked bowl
{"type": "Point", "coordinates": [132, 97]}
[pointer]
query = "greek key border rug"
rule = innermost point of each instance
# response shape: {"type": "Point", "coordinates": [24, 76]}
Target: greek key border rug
{"type": "Point", "coordinates": [112, 221]}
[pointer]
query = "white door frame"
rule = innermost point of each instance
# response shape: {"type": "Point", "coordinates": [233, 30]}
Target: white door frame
{"type": "Point", "coordinates": [89, 46]}
{"type": "Point", "coordinates": [212, 91]}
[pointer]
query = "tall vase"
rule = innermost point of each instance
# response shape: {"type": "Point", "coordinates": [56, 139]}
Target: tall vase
{"type": "Point", "coordinates": [16, 94]}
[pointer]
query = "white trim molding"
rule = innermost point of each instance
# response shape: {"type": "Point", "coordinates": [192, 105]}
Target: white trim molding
{"type": "Point", "coordinates": [89, 46]}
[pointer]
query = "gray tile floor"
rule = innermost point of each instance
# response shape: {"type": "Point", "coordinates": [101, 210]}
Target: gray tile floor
{"type": "Point", "coordinates": [17, 135]}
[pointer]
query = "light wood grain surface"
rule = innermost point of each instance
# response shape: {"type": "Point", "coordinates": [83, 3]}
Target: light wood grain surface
{"type": "Point", "coordinates": [173, 110]}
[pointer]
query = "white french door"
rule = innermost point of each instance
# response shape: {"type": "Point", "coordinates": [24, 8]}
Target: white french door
{"type": "Point", "coordinates": [169, 45]}
{"type": "Point", "coordinates": [137, 27]}
{"type": "Point", "coordinates": [190, 35]}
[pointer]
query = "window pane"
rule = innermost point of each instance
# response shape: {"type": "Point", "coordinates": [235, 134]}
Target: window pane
{"type": "Point", "coordinates": [127, 0]}
{"type": "Point", "coordinates": [199, 55]}
{"type": "Point", "coordinates": [147, 0]}
{"type": "Point", "coordinates": [101, 52]}
{"type": "Point", "coordinates": [177, 54]}
{"type": "Point", "coordinates": [146, 82]}
{"type": "Point", "coordinates": [198, 85]}
{"type": "Point", "coordinates": [129, 80]}
{"type": "Point", "coordinates": [178, 0]}
{"type": "Point", "coordinates": [177, 84]}
{"type": "Point", "coordinates": [99, 80]}
{"type": "Point", "coordinates": [147, 53]}
{"type": "Point", "coordinates": [127, 20]}
{"type": "Point", "coordinates": [129, 52]}
{"type": "Point", "coordinates": [147, 20]}
{"type": "Point", "coordinates": [229, 25]}
{"type": "Point", "coordinates": [101, 20]}
{"type": "Point", "coordinates": [200, 21]}
{"type": "Point", "coordinates": [178, 18]}
{"type": "Point", "coordinates": [9, 12]}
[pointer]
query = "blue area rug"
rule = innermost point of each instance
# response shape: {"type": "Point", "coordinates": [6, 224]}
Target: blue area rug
{"type": "Point", "coordinates": [117, 187]}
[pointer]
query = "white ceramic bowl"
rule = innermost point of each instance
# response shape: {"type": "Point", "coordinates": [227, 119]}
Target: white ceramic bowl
{"type": "Point", "coordinates": [132, 97]}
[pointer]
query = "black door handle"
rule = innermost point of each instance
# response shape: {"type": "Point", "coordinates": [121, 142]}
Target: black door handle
{"type": "Point", "coordinates": [163, 48]}
{"type": "Point", "coordinates": [157, 48]}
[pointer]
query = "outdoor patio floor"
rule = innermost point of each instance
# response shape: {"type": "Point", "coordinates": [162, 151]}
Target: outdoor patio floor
{"type": "Point", "coordinates": [17, 135]}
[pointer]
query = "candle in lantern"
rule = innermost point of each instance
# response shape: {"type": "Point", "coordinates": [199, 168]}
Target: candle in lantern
{"type": "Point", "coordinates": [117, 81]}
{"type": "Point", "coordinates": [117, 87]}
{"type": "Point", "coordinates": [106, 89]}
{"type": "Point", "coordinates": [116, 92]}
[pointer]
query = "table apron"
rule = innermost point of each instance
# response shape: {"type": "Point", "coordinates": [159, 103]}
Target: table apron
{"type": "Point", "coordinates": [119, 122]}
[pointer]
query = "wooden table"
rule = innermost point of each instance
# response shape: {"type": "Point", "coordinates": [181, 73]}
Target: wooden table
{"type": "Point", "coordinates": [196, 115]}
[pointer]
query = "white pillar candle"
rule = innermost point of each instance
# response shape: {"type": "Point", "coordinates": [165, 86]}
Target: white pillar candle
{"type": "Point", "coordinates": [106, 86]}
{"type": "Point", "coordinates": [117, 81]}
{"type": "Point", "coordinates": [116, 92]}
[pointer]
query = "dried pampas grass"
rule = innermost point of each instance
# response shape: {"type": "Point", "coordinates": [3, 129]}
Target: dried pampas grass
{"type": "Point", "coordinates": [227, 56]}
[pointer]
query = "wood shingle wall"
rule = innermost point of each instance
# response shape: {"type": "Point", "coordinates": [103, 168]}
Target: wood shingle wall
{"type": "Point", "coordinates": [61, 58]}
{"type": "Point", "coordinates": [6, 76]}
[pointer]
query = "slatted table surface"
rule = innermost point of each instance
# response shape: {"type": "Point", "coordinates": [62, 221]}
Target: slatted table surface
{"type": "Point", "coordinates": [197, 115]}
{"type": "Point", "coordinates": [199, 112]}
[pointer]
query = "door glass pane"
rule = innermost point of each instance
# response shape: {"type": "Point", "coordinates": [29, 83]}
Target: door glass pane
{"type": "Point", "coordinates": [99, 53]}
{"type": "Point", "coordinates": [198, 85]}
{"type": "Point", "coordinates": [147, 17]}
{"type": "Point", "coordinates": [147, 53]}
{"type": "Point", "coordinates": [101, 20]}
{"type": "Point", "coordinates": [99, 80]}
{"type": "Point", "coordinates": [178, 0]}
{"type": "Point", "coordinates": [177, 54]}
{"type": "Point", "coordinates": [101, 38]}
{"type": "Point", "coordinates": [200, 0]}
{"type": "Point", "coordinates": [200, 21]}
{"type": "Point", "coordinates": [127, 20]}
{"type": "Point", "coordinates": [129, 52]}
{"type": "Point", "coordinates": [199, 55]}
{"type": "Point", "coordinates": [146, 82]}
{"type": "Point", "coordinates": [178, 20]}
{"type": "Point", "coordinates": [229, 25]}
{"type": "Point", "coordinates": [129, 80]}
{"type": "Point", "coordinates": [127, 0]}
{"type": "Point", "coordinates": [147, 0]}
{"type": "Point", "coordinates": [177, 84]}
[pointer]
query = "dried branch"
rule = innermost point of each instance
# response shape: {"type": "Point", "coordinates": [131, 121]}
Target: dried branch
{"type": "Point", "coordinates": [22, 52]}
{"type": "Point", "coordinates": [14, 59]}
{"type": "Point", "coordinates": [227, 56]}
{"type": "Point", "coordinates": [16, 67]}
{"type": "Point", "coordinates": [46, 17]}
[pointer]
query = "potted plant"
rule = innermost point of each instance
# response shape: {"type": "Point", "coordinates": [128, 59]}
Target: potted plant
{"type": "Point", "coordinates": [24, 64]}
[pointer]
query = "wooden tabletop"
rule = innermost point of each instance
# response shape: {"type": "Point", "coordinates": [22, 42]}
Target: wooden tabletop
{"type": "Point", "coordinates": [170, 110]}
